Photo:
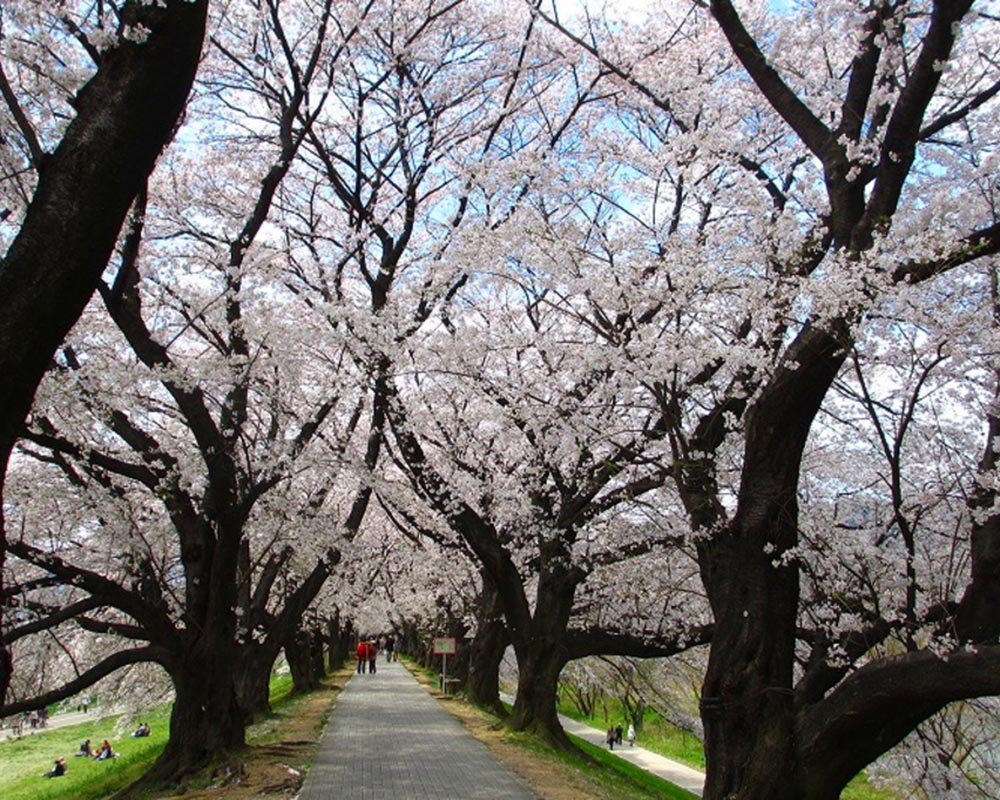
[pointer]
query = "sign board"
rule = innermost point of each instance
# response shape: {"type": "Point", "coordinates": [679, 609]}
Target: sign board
{"type": "Point", "coordinates": [444, 645]}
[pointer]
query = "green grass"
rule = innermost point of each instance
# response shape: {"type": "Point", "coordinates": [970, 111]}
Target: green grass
{"type": "Point", "coordinates": [860, 789]}
{"type": "Point", "coordinates": [662, 737]}
{"type": "Point", "coordinates": [413, 666]}
{"type": "Point", "coordinates": [657, 734]}
{"type": "Point", "coordinates": [280, 689]}
{"type": "Point", "coordinates": [617, 778]}
{"type": "Point", "coordinates": [24, 761]}
{"type": "Point", "coordinates": [646, 785]}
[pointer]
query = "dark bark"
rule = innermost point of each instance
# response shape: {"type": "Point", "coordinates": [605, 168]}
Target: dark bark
{"type": "Point", "coordinates": [539, 664]}
{"type": "Point", "coordinates": [541, 640]}
{"type": "Point", "coordinates": [541, 650]}
{"type": "Point", "coordinates": [339, 636]}
{"type": "Point", "coordinates": [880, 704]}
{"type": "Point", "coordinates": [206, 720]}
{"type": "Point", "coordinates": [759, 742]}
{"type": "Point", "coordinates": [747, 706]}
{"type": "Point", "coordinates": [317, 655]}
{"type": "Point", "coordinates": [412, 643]}
{"type": "Point", "coordinates": [253, 688]}
{"type": "Point", "coordinates": [305, 655]}
{"type": "Point", "coordinates": [126, 114]}
{"type": "Point", "coordinates": [258, 653]}
{"type": "Point", "coordinates": [486, 652]}
{"type": "Point", "coordinates": [299, 652]}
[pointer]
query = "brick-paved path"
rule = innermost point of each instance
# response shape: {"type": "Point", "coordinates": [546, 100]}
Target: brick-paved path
{"type": "Point", "coordinates": [387, 739]}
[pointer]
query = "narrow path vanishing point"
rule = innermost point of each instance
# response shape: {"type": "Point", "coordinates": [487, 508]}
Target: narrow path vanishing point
{"type": "Point", "coordinates": [388, 738]}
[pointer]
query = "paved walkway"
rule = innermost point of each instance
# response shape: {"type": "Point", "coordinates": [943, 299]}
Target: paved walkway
{"type": "Point", "coordinates": [673, 771]}
{"type": "Point", "coordinates": [55, 721]}
{"type": "Point", "coordinates": [388, 738]}
{"type": "Point", "coordinates": [678, 774]}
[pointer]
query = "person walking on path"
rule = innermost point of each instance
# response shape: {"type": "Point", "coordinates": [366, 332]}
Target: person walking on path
{"type": "Point", "coordinates": [611, 738]}
{"type": "Point", "coordinates": [630, 735]}
{"type": "Point", "coordinates": [372, 656]}
{"type": "Point", "coordinates": [618, 734]}
{"type": "Point", "coordinates": [362, 656]}
{"type": "Point", "coordinates": [390, 738]}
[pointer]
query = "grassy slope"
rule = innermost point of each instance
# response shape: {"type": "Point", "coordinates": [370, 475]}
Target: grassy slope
{"type": "Point", "coordinates": [660, 736]}
{"type": "Point", "coordinates": [656, 787]}
{"type": "Point", "coordinates": [24, 761]}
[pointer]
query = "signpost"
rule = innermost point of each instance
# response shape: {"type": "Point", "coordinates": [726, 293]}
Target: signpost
{"type": "Point", "coordinates": [444, 646]}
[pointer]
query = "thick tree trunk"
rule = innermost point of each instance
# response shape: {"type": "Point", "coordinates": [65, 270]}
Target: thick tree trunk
{"type": "Point", "coordinates": [317, 655]}
{"type": "Point", "coordinates": [747, 700]}
{"type": "Point", "coordinates": [253, 685]}
{"type": "Point", "coordinates": [486, 652]}
{"type": "Point", "coordinates": [206, 721]}
{"type": "Point", "coordinates": [539, 664]}
{"type": "Point", "coordinates": [125, 115]}
{"type": "Point", "coordinates": [746, 705]}
{"type": "Point", "coordinates": [541, 647]}
{"type": "Point", "coordinates": [338, 639]}
{"type": "Point", "coordinates": [298, 652]}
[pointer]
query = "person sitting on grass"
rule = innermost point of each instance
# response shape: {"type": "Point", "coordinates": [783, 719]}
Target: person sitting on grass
{"type": "Point", "coordinates": [86, 749]}
{"type": "Point", "coordinates": [58, 768]}
{"type": "Point", "coordinates": [104, 752]}
{"type": "Point", "coordinates": [142, 730]}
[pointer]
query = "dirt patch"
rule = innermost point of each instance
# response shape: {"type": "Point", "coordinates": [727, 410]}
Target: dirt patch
{"type": "Point", "coordinates": [549, 778]}
{"type": "Point", "coordinates": [273, 766]}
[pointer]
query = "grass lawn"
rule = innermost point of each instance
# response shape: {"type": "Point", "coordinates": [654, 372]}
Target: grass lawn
{"type": "Point", "coordinates": [24, 761]}
{"type": "Point", "coordinates": [27, 759]}
{"type": "Point", "coordinates": [614, 766]}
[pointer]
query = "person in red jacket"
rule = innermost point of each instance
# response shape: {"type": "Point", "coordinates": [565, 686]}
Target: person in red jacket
{"type": "Point", "coordinates": [362, 656]}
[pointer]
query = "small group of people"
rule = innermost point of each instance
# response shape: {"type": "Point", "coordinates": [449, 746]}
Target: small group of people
{"type": "Point", "coordinates": [100, 754]}
{"type": "Point", "coordinates": [38, 718]}
{"type": "Point", "coordinates": [615, 734]}
{"type": "Point", "coordinates": [367, 654]}
{"type": "Point", "coordinates": [86, 750]}
{"type": "Point", "coordinates": [368, 650]}
{"type": "Point", "coordinates": [142, 730]}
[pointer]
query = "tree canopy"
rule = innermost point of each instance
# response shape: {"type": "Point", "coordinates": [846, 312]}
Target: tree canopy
{"type": "Point", "coordinates": [603, 334]}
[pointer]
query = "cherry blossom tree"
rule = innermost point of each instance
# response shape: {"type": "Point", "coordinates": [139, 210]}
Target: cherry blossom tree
{"type": "Point", "coordinates": [846, 138]}
{"type": "Point", "coordinates": [255, 363]}
{"type": "Point", "coordinates": [207, 413]}
{"type": "Point", "coordinates": [122, 109]}
{"type": "Point", "coordinates": [703, 307]}
{"type": "Point", "coordinates": [531, 446]}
